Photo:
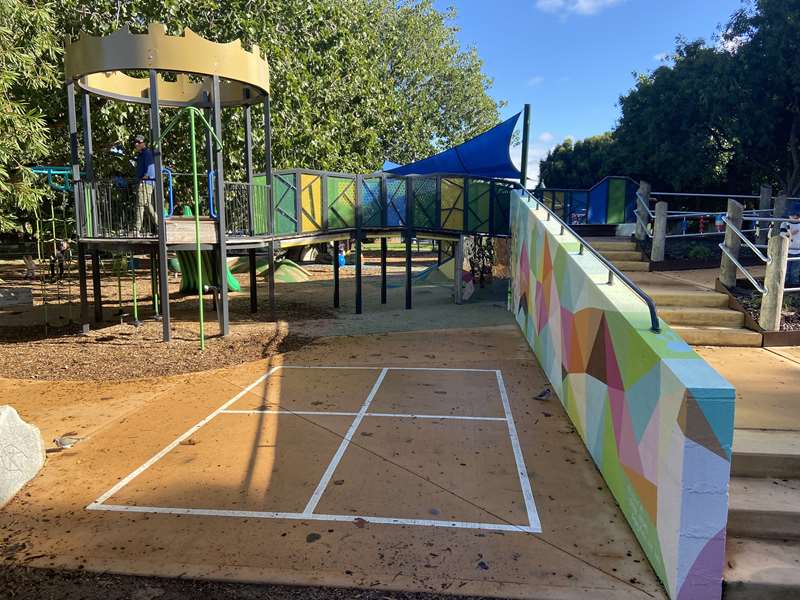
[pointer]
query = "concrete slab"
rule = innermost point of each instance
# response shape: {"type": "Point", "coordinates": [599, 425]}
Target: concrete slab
{"type": "Point", "coordinates": [766, 386]}
{"type": "Point", "coordinates": [311, 390]}
{"type": "Point", "coordinates": [254, 462]}
{"type": "Point", "coordinates": [788, 352]}
{"type": "Point", "coordinates": [459, 393]}
{"type": "Point", "coordinates": [761, 569]}
{"type": "Point", "coordinates": [429, 469]}
{"type": "Point", "coordinates": [586, 548]}
{"type": "Point", "coordinates": [766, 453]}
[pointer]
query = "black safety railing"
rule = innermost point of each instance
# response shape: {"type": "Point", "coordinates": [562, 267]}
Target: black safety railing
{"type": "Point", "coordinates": [613, 272]}
{"type": "Point", "coordinates": [119, 208]}
{"type": "Point", "coordinates": [246, 209]}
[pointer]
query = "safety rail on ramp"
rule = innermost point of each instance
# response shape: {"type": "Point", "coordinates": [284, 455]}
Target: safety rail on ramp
{"type": "Point", "coordinates": [613, 272]}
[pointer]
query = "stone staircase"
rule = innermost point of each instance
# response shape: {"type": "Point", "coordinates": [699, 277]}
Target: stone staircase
{"type": "Point", "coordinates": [698, 314]}
{"type": "Point", "coordinates": [763, 547]}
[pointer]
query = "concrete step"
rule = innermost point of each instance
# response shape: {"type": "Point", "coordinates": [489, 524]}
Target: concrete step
{"type": "Point", "coordinates": [761, 570]}
{"type": "Point", "coordinates": [766, 453]}
{"type": "Point", "coordinates": [672, 296]}
{"type": "Point", "coordinates": [718, 336]}
{"type": "Point", "coordinates": [624, 255]}
{"type": "Point", "coordinates": [701, 315]}
{"type": "Point", "coordinates": [765, 508]}
{"type": "Point", "coordinates": [612, 246]}
{"type": "Point", "coordinates": [630, 265]}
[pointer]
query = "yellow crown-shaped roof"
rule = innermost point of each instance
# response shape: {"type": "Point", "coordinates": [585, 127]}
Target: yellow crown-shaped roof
{"type": "Point", "coordinates": [99, 64]}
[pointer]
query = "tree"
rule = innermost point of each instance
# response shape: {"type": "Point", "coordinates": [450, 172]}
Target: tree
{"type": "Point", "coordinates": [352, 82]}
{"type": "Point", "coordinates": [763, 40]}
{"type": "Point", "coordinates": [29, 49]}
{"type": "Point", "coordinates": [723, 118]}
{"type": "Point", "coordinates": [672, 131]}
{"type": "Point", "coordinates": [579, 165]}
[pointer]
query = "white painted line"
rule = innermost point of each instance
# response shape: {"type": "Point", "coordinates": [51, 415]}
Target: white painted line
{"type": "Point", "coordinates": [314, 413]}
{"type": "Point", "coordinates": [123, 482]}
{"type": "Point", "coordinates": [390, 368]}
{"type": "Point", "coordinates": [245, 514]}
{"type": "Point", "coordinates": [330, 367]}
{"type": "Point", "coordinates": [326, 477]}
{"type": "Point", "coordinates": [441, 369]}
{"type": "Point", "coordinates": [450, 417]}
{"type": "Point", "coordinates": [290, 412]}
{"type": "Point", "coordinates": [524, 480]}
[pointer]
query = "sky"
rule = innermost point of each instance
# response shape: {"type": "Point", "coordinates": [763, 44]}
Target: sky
{"type": "Point", "coordinates": [572, 59]}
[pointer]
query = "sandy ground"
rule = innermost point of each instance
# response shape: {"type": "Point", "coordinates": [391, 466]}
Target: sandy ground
{"type": "Point", "coordinates": [115, 350]}
{"type": "Point", "coordinates": [395, 467]}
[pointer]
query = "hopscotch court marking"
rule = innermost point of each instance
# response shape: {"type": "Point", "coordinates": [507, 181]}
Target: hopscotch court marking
{"type": "Point", "coordinates": [532, 526]}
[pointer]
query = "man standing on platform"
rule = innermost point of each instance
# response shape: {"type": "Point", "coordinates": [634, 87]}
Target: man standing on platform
{"type": "Point", "coordinates": [145, 177]}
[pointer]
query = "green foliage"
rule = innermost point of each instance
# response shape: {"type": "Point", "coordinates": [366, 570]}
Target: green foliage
{"type": "Point", "coordinates": [672, 125]}
{"type": "Point", "coordinates": [28, 52]}
{"type": "Point", "coordinates": [791, 303]}
{"type": "Point", "coordinates": [352, 82]}
{"type": "Point", "coordinates": [718, 119]}
{"type": "Point", "coordinates": [579, 165]}
{"type": "Point", "coordinates": [699, 251]}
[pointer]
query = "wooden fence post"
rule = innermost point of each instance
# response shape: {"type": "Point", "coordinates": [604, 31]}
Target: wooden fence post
{"type": "Point", "coordinates": [727, 269]}
{"type": "Point", "coordinates": [772, 301]}
{"type": "Point", "coordinates": [659, 233]}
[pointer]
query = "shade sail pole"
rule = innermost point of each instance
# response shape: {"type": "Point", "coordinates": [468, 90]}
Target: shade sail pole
{"type": "Point", "coordinates": [526, 131]}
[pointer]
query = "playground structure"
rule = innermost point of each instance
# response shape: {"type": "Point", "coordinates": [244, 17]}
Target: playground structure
{"type": "Point", "coordinates": [611, 201]}
{"type": "Point", "coordinates": [267, 212]}
{"type": "Point", "coordinates": [653, 415]}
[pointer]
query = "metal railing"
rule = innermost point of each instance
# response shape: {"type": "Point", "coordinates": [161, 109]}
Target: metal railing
{"type": "Point", "coordinates": [120, 208]}
{"type": "Point", "coordinates": [613, 272]}
{"type": "Point", "coordinates": [246, 209]}
{"type": "Point", "coordinates": [686, 216]}
{"type": "Point", "coordinates": [756, 249]}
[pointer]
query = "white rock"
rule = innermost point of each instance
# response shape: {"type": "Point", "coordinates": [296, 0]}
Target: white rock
{"type": "Point", "coordinates": [21, 453]}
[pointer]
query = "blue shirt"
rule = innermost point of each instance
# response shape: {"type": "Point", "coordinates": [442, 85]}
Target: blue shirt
{"type": "Point", "coordinates": [145, 165]}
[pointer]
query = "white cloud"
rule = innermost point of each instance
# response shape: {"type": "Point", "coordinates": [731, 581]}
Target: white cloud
{"type": "Point", "coordinates": [536, 152]}
{"type": "Point", "coordinates": [581, 7]}
{"type": "Point", "coordinates": [546, 137]}
{"type": "Point", "coordinates": [536, 80]}
{"type": "Point", "coordinates": [661, 56]}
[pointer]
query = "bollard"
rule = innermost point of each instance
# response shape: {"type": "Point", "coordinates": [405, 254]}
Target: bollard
{"type": "Point", "coordinates": [772, 301]}
{"type": "Point", "coordinates": [727, 269]}
{"type": "Point", "coordinates": [659, 233]}
{"type": "Point", "coordinates": [644, 190]}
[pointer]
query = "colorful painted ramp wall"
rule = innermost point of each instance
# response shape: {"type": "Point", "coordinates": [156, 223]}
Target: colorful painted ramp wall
{"type": "Point", "coordinates": [656, 418]}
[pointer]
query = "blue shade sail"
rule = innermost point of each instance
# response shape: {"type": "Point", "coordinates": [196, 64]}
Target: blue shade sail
{"type": "Point", "coordinates": [486, 155]}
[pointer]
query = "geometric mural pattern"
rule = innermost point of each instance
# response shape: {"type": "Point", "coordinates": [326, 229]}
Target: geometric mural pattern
{"type": "Point", "coordinates": [655, 417]}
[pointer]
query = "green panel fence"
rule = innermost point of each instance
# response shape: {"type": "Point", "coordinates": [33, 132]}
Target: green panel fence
{"type": "Point", "coordinates": [424, 204]}
{"type": "Point", "coordinates": [284, 197]}
{"type": "Point", "coordinates": [479, 195]}
{"type": "Point", "coordinates": [341, 202]}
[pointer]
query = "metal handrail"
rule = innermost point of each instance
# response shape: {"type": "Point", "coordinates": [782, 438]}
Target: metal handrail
{"type": "Point", "coordinates": [747, 242]}
{"type": "Point", "coordinates": [613, 271]}
{"type": "Point", "coordinates": [739, 266]}
{"type": "Point", "coordinates": [695, 195]}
